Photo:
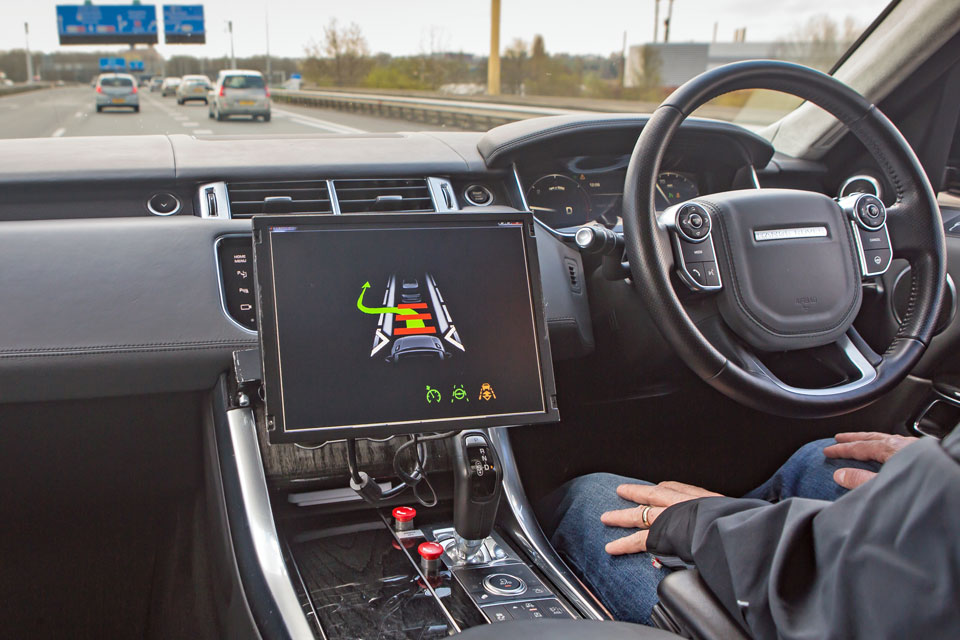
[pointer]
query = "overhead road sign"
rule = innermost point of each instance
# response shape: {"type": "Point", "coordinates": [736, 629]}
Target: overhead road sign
{"type": "Point", "coordinates": [183, 24]}
{"type": "Point", "coordinates": [107, 24]}
{"type": "Point", "coordinates": [113, 64]}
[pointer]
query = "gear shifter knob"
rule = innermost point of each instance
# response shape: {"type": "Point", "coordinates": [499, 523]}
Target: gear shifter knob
{"type": "Point", "coordinates": [476, 490]}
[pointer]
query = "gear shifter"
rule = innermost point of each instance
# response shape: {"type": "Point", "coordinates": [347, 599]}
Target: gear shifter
{"type": "Point", "coordinates": [476, 492]}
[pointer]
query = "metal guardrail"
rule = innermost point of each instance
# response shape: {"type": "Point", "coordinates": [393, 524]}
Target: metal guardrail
{"type": "Point", "coordinates": [458, 113]}
{"type": "Point", "coordinates": [21, 88]}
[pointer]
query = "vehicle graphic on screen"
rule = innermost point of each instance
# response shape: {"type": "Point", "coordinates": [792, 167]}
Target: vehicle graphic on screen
{"type": "Point", "coordinates": [413, 320]}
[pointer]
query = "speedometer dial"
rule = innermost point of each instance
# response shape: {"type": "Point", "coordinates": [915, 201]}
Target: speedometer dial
{"type": "Point", "coordinates": [673, 188]}
{"type": "Point", "coordinates": [559, 201]}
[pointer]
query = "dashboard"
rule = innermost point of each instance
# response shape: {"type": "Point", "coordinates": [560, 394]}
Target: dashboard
{"type": "Point", "coordinates": [575, 191]}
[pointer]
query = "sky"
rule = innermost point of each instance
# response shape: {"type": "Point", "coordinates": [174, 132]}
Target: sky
{"type": "Point", "coordinates": [406, 28]}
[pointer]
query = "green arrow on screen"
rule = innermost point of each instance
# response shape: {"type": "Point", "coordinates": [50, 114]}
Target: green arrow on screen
{"type": "Point", "coordinates": [378, 310]}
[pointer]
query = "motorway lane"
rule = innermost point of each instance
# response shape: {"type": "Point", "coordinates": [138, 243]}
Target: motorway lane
{"type": "Point", "coordinates": [70, 111]}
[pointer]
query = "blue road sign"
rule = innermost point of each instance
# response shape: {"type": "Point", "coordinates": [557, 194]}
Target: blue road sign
{"type": "Point", "coordinates": [106, 64]}
{"type": "Point", "coordinates": [136, 65]}
{"type": "Point", "coordinates": [120, 64]}
{"type": "Point", "coordinates": [183, 24]}
{"type": "Point", "coordinates": [107, 24]}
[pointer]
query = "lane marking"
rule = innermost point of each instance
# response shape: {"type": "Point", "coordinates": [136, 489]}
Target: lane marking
{"type": "Point", "coordinates": [317, 123]}
{"type": "Point", "coordinates": [59, 132]}
{"type": "Point", "coordinates": [78, 114]}
{"type": "Point", "coordinates": [190, 124]}
{"type": "Point", "coordinates": [203, 132]}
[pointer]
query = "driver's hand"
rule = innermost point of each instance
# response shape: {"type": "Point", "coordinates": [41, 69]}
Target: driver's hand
{"type": "Point", "coordinates": [656, 496]}
{"type": "Point", "coordinates": [866, 446]}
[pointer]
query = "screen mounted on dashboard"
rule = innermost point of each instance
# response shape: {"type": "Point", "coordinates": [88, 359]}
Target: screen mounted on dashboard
{"type": "Point", "coordinates": [373, 325]}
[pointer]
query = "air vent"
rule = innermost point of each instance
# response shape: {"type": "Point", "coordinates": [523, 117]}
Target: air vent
{"type": "Point", "coordinates": [248, 199]}
{"type": "Point", "coordinates": [362, 196]}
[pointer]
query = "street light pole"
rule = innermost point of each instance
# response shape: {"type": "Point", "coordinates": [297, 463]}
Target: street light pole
{"type": "Point", "coordinates": [233, 58]}
{"type": "Point", "coordinates": [493, 63]}
{"type": "Point", "coordinates": [267, 20]}
{"type": "Point", "coordinates": [26, 41]}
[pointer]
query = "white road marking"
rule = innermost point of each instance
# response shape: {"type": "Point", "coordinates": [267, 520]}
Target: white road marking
{"type": "Point", "coordinates": [202, 132]}
{"type": "Point", "coordinates": [79, 114]}
{"type": "Point", "coordinates": [190, 124]}
{"type": "Point", "coordinates": [317, 123]}
{"type": "Point", "coordinates": [59, 132]}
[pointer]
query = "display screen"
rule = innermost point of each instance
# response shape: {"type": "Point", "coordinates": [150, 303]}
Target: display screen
{"type": "Point", "coordinates": [399, 324]}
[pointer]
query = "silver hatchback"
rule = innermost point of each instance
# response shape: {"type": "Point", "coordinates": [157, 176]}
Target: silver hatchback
{"type": "Point", "coordinates": [117, 90]}
{"type": "Point", "coordinates": [240, 93]}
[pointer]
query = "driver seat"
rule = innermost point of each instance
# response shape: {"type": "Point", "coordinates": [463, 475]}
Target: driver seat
{"type": "Point", "coordinates": [688, 608]}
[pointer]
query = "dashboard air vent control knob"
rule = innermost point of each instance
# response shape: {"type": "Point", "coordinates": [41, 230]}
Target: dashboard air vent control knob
{"type": "Point", "coordinates": [403, 518]}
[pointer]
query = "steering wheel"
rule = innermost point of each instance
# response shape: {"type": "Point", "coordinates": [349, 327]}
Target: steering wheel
{"type": "Point", "coordinates": [785, 266]}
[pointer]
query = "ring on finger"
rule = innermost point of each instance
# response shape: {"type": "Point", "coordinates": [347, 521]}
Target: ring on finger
{"type": "Point", "coordinates": [643, 516]}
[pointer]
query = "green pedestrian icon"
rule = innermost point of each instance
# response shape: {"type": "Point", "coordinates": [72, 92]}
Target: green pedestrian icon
{"type": "Point", "coordinates": [433, 395]}
{"type": "Point", "coordinates": [459, 393]}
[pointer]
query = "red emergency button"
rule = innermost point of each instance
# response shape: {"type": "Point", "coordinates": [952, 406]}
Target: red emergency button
{"type": "Point", "coordinates": [404, 514]}
{"type": "Point", "coordinates": [430, 550]}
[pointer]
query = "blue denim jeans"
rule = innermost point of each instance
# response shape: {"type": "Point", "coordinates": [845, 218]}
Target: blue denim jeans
{"type": "Point", "coordinates": [627, 585]}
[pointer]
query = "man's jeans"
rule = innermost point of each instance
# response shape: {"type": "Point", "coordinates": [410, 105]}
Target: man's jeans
{"type": "Point", "coordinates": [627, 584]}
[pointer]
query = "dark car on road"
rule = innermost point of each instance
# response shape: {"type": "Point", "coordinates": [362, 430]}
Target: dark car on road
{"type": "Point", "coordinates": [417, 347]}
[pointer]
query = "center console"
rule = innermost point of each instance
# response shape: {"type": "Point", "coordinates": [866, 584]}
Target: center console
{"type": "Point", "coordinates": [367, 474]}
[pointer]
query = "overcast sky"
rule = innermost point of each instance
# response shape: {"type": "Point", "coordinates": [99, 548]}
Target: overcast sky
{"type": "Point", "coordinates": [405, 27]}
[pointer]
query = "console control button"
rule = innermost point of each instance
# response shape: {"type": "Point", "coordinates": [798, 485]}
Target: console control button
{"type": "Point", "coordinates": [693, 222]}
{"type": "Point", "coordinates": [478, 195]}
{"type": "Point", "coordinates": [404, 518]}
{"type": "Point", "coordinates": [497, 613]}
{"type": "Point", "coordinates": [504, 584]}
{"type": "Point", "coordinates": [553, 609]}
{"type": "Point", "coordinates": [525, 610]}
{"type": "Point", "coordinates": [697, 252]}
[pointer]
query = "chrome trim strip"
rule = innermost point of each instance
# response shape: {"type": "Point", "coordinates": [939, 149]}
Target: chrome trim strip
{"type": "Point", "coordinates": [516, 179]}
{"type": "Point", "coordinates": [263, 532]}
{"type": "Point", "coordinates": [334, 201]}
{"type": "Point", "coordinates": [754, 177]}
{"type": "Point", "coordinates": [566, 237]}
{"type": "Point", "coordinates": [796, 233]}
{"type": "Point", "coordinates": [867, 373]}
{"type": "Point", "coordinates": [222, 198]}
{"type": "Point", "coordinates": [868, 178]}
{"type": "Point", "coordinates": [532, 538]}
{"type": "Point", "coordinates": [223, 294]}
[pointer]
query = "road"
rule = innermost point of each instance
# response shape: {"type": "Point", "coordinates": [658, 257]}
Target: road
{"type": "Point", "coordinates": [70, 111]}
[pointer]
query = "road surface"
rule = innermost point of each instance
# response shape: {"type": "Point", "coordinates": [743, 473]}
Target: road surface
{"type": "Point", "coordinates": [70, 111]}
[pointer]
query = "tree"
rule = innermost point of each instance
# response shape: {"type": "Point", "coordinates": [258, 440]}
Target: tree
{"type": "Point", "coordinates": [513, 67]}
{"type": "Point", "coordinates": [819, 42]}
{"type": "Point", "coordinates": [343, 58]}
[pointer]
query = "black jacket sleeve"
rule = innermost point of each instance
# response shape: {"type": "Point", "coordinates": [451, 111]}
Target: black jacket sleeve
{"type": "Point", "coordinates": [883, 561]}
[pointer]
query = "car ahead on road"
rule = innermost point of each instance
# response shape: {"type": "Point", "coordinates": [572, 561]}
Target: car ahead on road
{"type": "Point", "coordinates": [417, 347]}
{"type": "Point", "coordinates": [193, 88]}
{"type": "Point", "coordinates": [117, 90]}
{"type": "Point", "coordinates": [240, 93]}
{"type": "Point", "coordinates": [169, 87]}
{"type": "Point", "coordinates": [155, 83]}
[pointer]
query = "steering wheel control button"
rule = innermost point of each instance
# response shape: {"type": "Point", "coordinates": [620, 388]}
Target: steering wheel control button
{"type": "Point", "coordinates": [877, 261]}
{"type": "Point", "coordinates": [693, 222]}
{"type": "Point", "coordinates": [403, 517]}
{"type": "Point", "coordinates": [872, 240]}
{"type": "Point", "coordinates": [695, 269]}
{"type": "Point", "coordinates": [870, 212]}
{"type": "Point", "coordinates": [699, 252]}
{"type": "Point", "coordinates": [710, 274]}
{"type": "Point", "coordinates": [504, 584]}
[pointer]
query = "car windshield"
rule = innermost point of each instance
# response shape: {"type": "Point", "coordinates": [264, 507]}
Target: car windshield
{"type": "Point", "coordinates": [469, 65]}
